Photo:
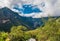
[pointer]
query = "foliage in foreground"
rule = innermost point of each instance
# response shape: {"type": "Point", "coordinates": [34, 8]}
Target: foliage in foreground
{"type": "Point", "coordinates": [49, 32]}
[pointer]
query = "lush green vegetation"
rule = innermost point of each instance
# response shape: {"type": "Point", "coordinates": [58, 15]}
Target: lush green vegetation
{"type": "Point", "coordinates": [49, 32]}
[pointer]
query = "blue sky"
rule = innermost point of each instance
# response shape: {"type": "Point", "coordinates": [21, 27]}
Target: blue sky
{"type": "Point", "coordinates": [27, 9]}
{"type": "Point", "coordinates": [48, 7]}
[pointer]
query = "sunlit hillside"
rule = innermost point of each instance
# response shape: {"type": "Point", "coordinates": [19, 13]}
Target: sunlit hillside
{"type": "Point", "coordinates": [49, 32]}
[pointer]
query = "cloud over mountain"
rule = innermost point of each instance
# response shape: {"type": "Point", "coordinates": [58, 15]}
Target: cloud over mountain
{"type": "Point", "coordinates": [49, 7]}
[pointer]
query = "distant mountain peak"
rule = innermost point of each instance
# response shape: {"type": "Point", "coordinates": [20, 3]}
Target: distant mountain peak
{"type": "Point", "coordinates": [4, 8]}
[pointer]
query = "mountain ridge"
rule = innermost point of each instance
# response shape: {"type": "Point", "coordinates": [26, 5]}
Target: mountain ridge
{"type": "Point", "coordinates": [8, 18]}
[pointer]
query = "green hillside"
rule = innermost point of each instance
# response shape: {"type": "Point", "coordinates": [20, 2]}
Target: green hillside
{"type": "Point", "coordinates": [49, 32]}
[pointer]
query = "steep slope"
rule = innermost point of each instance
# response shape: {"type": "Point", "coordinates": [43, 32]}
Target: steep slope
{"type": "Point", "coordinates": [9, 18]}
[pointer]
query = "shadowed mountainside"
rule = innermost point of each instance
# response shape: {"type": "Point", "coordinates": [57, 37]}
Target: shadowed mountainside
{"type": "Point", "coordinates": [8, 18]}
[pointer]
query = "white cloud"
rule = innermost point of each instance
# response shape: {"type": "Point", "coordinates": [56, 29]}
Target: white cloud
{"type": "Point", "coordinates": [4, 3]}
{"type": "Point", "coordinates": [52, 7]}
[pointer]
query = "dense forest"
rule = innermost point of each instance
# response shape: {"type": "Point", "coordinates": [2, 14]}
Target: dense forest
{"type": "Point", "coordinates": [50, 31]}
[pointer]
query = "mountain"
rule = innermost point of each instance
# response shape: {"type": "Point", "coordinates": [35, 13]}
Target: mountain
{"type": "Point", "coordinates": [8, 18]}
